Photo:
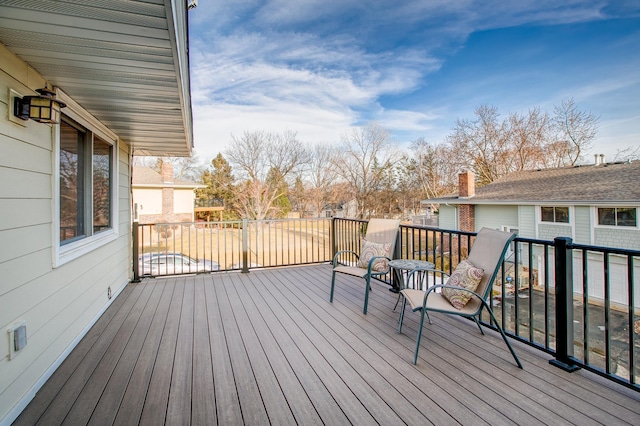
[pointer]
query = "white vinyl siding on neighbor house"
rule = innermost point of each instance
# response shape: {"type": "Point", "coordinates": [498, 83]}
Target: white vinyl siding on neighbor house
{"type": "Point", "coordinates": [149, 200]}
{"type": "Point", "coordinates": [183, 200]}
{"type": "Point", "coordinates": [618, 294]}
{"type": "Point", "coordinates": [582, 225]}
{"type": "Point", "coordinates": [57, 303]}
{"type": "Point", "coordinates": [496, 217]}
{"type": "Point", "coordinates": [448, 217]}
{"type": "Point", "coordinates": [527, 221]}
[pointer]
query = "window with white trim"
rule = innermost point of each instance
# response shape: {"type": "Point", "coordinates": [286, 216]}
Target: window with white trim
{"type": "Point", "coordinates": [554, 214]}
{"type": "Point", "coordinates": [618, 216]}
{"type": "Point", "coordinates": [86, 190]}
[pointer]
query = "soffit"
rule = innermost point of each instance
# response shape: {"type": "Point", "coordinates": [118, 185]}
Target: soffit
{"type": "Point", "coordinates": [124, 61]}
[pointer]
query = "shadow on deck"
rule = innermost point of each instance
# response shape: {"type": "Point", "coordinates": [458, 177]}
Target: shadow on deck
{"type": "Point", "coordinates": [268, 348]}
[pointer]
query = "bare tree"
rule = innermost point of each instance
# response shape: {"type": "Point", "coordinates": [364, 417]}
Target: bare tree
{"type": "Point", "coordinates": [627, 154]}
{"type": "Point", "coordinates": [256, 200]}
{"type": "Point", "coordinates": [256, 153]}
{"type": "Point", "coordinates": [287, 154]}
{"type": "Point", "coordinates": [361, 148]}
{"type": "Point", "coordinates": [266, 161]}
{"type": "Point", "coordinates": [248, 154]}
{"type": "Point", "coordinates": [576, 128]}
{"type": "Point", "coordinates": [437, 168]}
{"type": "Point", "coordinates": [483, 143]}
{"type": "Point", "coordinates": [493, 148]}
{"type": "Point", "coordinates": [321, 176]}
{"type": "Point", "coordinates": [529, 135]}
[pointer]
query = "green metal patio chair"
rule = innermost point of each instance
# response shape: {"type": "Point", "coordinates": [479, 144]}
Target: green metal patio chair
{"type": "Point", "coordinates": [377, 248]}
{"type": "Point", "coordinates": [487, 254]}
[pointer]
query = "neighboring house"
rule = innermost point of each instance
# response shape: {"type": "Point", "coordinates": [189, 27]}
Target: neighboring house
{"type": "Point", "coordinates": [345, 210]}
{"type": "Point", "coordinates": [65, 198]}
{"type": "Point", "coordinates": [593, 204]}
{"type": "Point", "coordinates": [158, 197]}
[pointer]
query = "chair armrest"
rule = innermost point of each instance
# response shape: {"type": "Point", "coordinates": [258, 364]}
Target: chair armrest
{"type": "Point", "coordinates": [335, 258]}
{"type": "Point", "coordinates": [373, 259]}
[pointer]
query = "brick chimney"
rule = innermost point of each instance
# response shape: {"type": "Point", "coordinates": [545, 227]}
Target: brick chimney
{"type": "Point", "coordinates": [466, 184]}
{"type": "Point", "coordinates": [466, 212]}
{"type": "Point", "coordinates": [166, 171]}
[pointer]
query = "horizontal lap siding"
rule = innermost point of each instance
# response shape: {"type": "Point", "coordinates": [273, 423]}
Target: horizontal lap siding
{"type": "Point", "coordinates": [58, 304]}
{"type": "Point", "coordinates": [496, 217]}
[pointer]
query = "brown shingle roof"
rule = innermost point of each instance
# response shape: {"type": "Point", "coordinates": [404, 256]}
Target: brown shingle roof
{"type": "Point", "coordinates": [612, 182]}
{"type": "Point", "coordinates": [146, 176]}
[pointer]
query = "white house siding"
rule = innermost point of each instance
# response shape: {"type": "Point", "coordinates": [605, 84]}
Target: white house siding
{"type": "Point", "coordinates": [527, 221]}
{"type": "Point", "coordinates": [618, 272]}
{"type": "Point", "coordinates": [582, 224]}
{"type": "Point", "coordinates": [149, 200]}
{"type": "Point", "coordinates": [448, 217]}
{"type": "Point", "coordinates": [621, 237]}
{"type": "Point", "coordinates": [548, 231]}
{"type": "Point", "coordinates": [496, 217]}
{"type": "Point", "coordinates": [183, 200]}
{"type": "Point", "coordinates": [57, 304]}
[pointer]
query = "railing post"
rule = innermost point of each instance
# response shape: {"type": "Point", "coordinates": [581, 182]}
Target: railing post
{"type": "Point", "coordinates": [564, 304]}
{"type": "Point", "coordinates": [332, 238]}
{"type": "Point", "coordinates": [136, 242]}
{"type": "Point", "coordinates": [245, 246]}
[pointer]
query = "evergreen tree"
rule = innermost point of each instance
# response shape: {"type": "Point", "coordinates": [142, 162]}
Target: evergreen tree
{"type": "Point", "coordinates": [220, 185]}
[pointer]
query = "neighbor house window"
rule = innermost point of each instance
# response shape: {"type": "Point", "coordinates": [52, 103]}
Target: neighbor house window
{"type": "Point", "coordinates": [555, 214]}
{"type": "Point", "coordinates": [86, 176]}
{"type": "Point", "coordinates": [618, 216]}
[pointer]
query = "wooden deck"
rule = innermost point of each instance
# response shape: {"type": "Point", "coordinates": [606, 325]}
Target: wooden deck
{"type": "Point", "coordinates": [268, 348]}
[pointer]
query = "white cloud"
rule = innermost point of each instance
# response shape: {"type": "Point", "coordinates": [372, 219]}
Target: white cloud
{"type": "Point", "coordinates": [320, 66]}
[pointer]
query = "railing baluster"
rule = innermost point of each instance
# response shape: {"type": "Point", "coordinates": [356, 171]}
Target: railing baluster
{"type": "Point", "coordinates": [631, 324]}
{"type": "Point", "coordinates": [585, 307]}
{"type": "Point", "coordinates": [530, 289]}
{"type": "Point", "coordinates": [245, 248]}
{"type": "Point", "coordinates": [607, 313]}
{"type": "Point", "coordinates": [516, 290]}
{"type": "Point", "coordinates": [546, 297]}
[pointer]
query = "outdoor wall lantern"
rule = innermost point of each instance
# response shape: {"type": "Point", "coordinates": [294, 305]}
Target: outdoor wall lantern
{"type": "Point", "coordinates": [43, 109]}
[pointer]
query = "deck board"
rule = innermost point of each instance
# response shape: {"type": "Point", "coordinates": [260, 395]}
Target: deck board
{"type": "Point", "coordinates": [203, 397]}
{"type": "Point", "coordinates": [268, 348]}
{"type": "Point", "coordinates": [133, 401]}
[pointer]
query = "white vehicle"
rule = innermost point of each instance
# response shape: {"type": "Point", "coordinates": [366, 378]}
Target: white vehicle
{"type": "Point", "coordinates": [155, 264]}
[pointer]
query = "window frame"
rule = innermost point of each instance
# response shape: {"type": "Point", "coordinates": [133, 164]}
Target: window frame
{"type": "Point", "coordinates": [72, 249]}
{"type": "Point", "coordinates": [555, 222]}
{"type": "Point", "coordinates": [615, 215]}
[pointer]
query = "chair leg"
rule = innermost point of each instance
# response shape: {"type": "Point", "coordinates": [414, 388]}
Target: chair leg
{"type": "Point", "coordinates": [397, 301]}
{"type": "Point", "coordinates": [366, 294]}
{"type": "Point", "coordinates": [415, 356]}
{"type": "Point", "coordinates": [478, 324]}
{"type": "Point", "coordinates": [404, 303]}
{"type": "Point", "coordinates": [504, 336]}
{"type": "Point", "coordinates": [333, 284]}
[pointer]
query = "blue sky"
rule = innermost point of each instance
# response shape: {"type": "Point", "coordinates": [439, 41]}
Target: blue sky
{"type": "Point", "coordinates": [319, 67]}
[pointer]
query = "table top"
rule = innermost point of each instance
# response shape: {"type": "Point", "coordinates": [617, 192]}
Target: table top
{"type": "Point", "coordinates": [411, 264]}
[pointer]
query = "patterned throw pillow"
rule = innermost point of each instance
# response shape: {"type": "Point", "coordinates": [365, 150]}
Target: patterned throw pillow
{"type": "Point", "coordinates": [467, 276]}
{"type": "Point", "coordinates": [371, 249]}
